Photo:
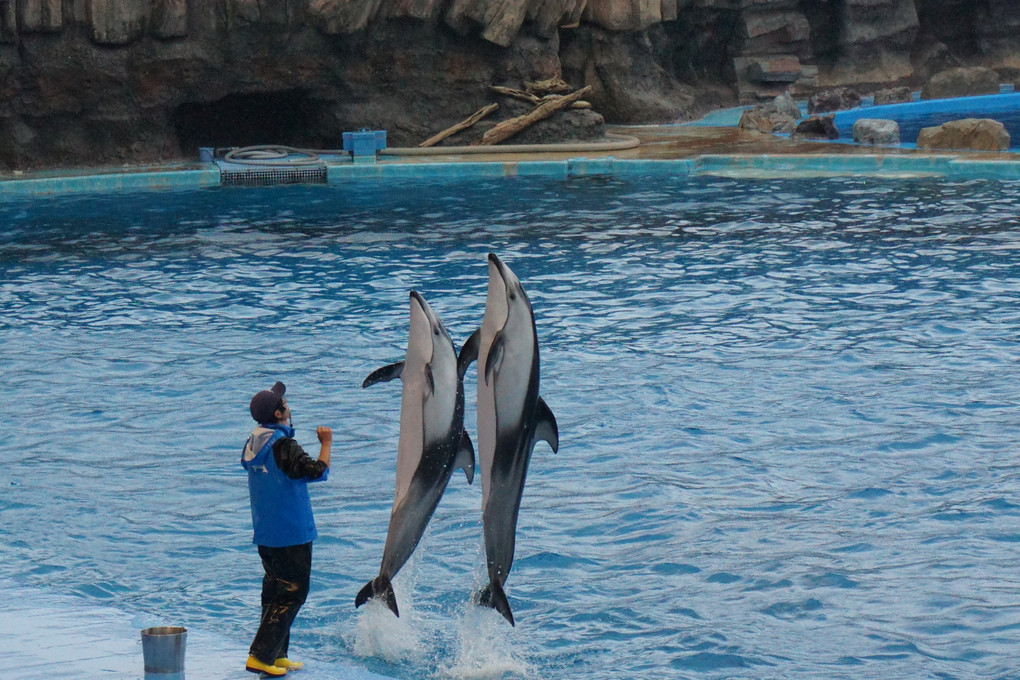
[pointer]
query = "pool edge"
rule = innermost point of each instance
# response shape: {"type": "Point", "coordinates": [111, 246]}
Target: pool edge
{"type": "Point", "coordinates": [728, 165]}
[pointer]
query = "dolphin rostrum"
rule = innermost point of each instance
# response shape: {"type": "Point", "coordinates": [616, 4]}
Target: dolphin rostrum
{"type": "Point", "coordinates": [432, 441]}
{"type": "Point", "coordinates": [511, 419]}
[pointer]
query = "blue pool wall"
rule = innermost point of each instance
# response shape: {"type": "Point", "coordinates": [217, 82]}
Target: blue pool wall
{"type": "Point", "coordinates": [789, 165]}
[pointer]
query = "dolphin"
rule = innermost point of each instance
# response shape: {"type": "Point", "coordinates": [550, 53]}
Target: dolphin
{"type": "Point", "coordinates": [511, 419]}
{"type": "Point", "coordinates": [432, 442]}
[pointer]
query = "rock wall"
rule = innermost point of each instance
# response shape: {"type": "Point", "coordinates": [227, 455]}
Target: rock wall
{"type": "Point", "coordinates": [90, 82]}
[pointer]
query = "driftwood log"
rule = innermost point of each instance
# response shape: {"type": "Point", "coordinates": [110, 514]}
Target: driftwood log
{"type": "Point", "coordinates": [462, 125]}
{"type": "Point", "coordinates": [510, 127]}
{"type": "Point", "coordinates": [533, 99]}
{"type": "Point", "coordinates": [516, 94]}
{"type": "Point", "coordinates": [548, 86]}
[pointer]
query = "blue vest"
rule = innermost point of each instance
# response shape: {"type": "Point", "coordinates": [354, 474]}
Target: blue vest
{"type": "Point", "coordinates": [281, 511]}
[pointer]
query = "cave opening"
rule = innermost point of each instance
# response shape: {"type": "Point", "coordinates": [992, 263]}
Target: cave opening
{"type": "Point", "coordinates": [290, 118]}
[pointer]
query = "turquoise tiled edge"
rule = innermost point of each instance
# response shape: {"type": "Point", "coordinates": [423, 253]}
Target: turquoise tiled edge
{"type": "Point", "coordinates": [730, 166]}
{"type": "Point", "coordinates": [574, 167]}
{"type": "Point", "coordinates": [828, 164]}
{"type": "Point", "coordinates": [984, 169]}
{"type": "Point", "coordinates": [81, 184]}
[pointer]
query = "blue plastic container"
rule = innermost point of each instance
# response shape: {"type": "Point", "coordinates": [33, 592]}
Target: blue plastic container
{"type": "Point", "coordinates": [364, 142]}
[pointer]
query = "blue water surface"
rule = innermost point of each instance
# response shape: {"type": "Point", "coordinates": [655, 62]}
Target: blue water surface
{"type": "Point", "coordinates": [788, 418]}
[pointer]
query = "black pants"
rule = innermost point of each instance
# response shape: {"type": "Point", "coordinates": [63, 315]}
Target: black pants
{"type": "Point", "coordinates": [284, 589]}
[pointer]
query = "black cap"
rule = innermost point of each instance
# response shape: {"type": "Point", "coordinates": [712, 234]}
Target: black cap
{"type": "Point", "coordinates": [264, 404]}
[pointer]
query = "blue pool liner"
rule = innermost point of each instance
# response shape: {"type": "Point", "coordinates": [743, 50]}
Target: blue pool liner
{"type": "Point", "coordinates": [913, 116]}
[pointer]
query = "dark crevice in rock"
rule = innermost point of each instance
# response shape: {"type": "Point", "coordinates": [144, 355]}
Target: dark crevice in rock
{"type": "Point", "coordinates": [291, 118]}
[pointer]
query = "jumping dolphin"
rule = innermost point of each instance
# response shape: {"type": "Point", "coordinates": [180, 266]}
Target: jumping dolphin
{"type": "Point", "coordinates": [511, 419]}
{"type": "Point", "coordinates": [432, 442]}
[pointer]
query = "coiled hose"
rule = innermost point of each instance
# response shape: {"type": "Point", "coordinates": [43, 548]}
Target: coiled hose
{"type": "Point", "coordinates": [275, 154]}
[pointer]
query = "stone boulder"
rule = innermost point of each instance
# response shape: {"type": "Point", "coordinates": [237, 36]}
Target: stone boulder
{"type": "Point", "coordinates": [816, 127]}
{"type": "Point", "coordinates": [961, 82]}
{"type": "Point", "coordinates": [765, 118]}
{"type": "Point", "coordinates": [876, 131]}
{"type": "Point", "coordinates": [784, 104]}
{"type": "Point", "coordinates": [837, 99]}
{"type": "Point", "coordinates": [777, 116]}
{"type": "Point", "coordinates": [894, 95]}
{"type": "Point", "coordinates": [979, 134]}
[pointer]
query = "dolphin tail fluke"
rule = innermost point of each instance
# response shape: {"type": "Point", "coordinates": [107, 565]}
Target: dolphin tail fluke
{"type": "Point", "coordinates": [380, 586]}
{"type": "Point", "coordinates": [494, 596]}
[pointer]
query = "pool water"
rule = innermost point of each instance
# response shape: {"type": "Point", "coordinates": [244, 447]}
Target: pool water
{"type": "Point", "coordinates": [788, 418]}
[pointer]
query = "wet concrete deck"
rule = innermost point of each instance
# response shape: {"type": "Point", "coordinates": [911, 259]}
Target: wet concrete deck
{"type": "Point", "coordinates": [49, 636]}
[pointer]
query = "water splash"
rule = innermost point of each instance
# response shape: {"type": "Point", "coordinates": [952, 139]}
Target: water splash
{"type": "Point", "coordinates": [489, 649]}
{"type": "Point", "coordinates": [379, 634]}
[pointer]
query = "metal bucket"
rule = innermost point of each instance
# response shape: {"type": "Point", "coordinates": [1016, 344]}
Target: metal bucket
{"type": "Point", "coordinates": [163, 651]}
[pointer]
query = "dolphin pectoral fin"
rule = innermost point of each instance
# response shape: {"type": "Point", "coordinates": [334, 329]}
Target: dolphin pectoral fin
{"type": "Point", "coordinates": [495, 354]}
{"type": "Point", "coordinates": [468, 352]}
{"type": "Point", "coordinates": [494, 596]}
{"type": "Point", "coordinates": [430, 379]}
{"type": "Point", "coordinates": [380, 586]}
{"type": "Point", "coordinates": [384, 374]}
{"type": "Point", "coordinates": [465, 459]}
{"type": "Point", "coordinates": [545, 425]}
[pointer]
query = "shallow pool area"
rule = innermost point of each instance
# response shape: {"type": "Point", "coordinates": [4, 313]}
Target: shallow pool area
{"type": "Point", "coordinates": [788, 417]}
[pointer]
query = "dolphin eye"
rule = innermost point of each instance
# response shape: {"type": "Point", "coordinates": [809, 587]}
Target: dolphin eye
{"type": "Point", "coordinates": [513, 296]}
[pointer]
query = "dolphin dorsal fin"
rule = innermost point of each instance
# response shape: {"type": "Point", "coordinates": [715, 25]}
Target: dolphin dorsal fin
{"type": "Point", "coordinates": [384, 374]}
{"type": "Point", "coordinates": [545, 425]}
{"type": "Point", "coordinates": [465, 459]}
{"type": "Point", "coordinates": [468, 352]}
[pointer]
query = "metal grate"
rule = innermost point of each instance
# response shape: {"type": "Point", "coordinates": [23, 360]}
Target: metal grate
{"type": "Point", "coordinates": [270, 176]}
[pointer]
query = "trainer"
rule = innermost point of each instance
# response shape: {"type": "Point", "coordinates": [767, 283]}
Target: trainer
{"type": "Point", "coordinates": [279, 471]}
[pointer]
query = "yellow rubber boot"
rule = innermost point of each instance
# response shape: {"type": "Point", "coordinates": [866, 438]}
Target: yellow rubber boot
{"type": "Point", "coordinates": [255, 666]}
{"type": "Point", "coordinates": [284, 662]}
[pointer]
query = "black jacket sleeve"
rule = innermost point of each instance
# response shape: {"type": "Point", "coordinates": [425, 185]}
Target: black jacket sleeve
{"type": "Point", "coordinates": [294, 462]}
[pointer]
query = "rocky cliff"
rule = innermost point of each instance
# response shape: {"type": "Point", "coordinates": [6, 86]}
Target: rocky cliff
{"type": "Point", "coordinates": [136, 81]}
